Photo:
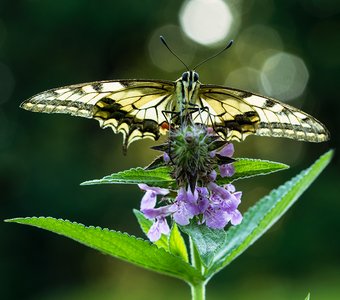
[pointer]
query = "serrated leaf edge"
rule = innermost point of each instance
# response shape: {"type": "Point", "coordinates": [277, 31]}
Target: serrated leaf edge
{"type": "Point", "coordinates": [290, 183]}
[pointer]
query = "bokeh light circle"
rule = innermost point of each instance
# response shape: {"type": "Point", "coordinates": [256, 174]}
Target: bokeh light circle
{"type": "Point", "coordinates": [206, 21]}
{"type": "Point", "coordinates": [284, 76]}
{"type": "Point", "coordinates": [244, 78]}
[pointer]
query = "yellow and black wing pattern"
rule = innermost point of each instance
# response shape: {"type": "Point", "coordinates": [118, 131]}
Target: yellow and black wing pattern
{"type": "Point", "coordinates": [145, 108]}
{"type": "Point", "coordinates": [133, 107]}
{"type": "Point", "coordinates": [235, 114]}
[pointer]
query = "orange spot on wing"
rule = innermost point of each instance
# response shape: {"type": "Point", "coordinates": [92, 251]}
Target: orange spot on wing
{"type": "Point", "coordinates": [164, 127]}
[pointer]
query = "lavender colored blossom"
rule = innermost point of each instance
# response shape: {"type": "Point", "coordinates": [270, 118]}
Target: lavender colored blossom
{"type": "Point", "coordinates": [157, 229]}
{"type": "Point", "coordinates": [227, 150]}
{"type": "Point", "coordinates": [227, 170]}
{"type": "Point", "coordinates": [216, 204]}
{"type": "Point", "coordinates": [186, 206]}
{"type": "Point", "coordinates": [193, 156]}
{"type": "Point", "coordinates": [149, 198]}
{"type": "Point", "coordinates": [148, 203]}
{"type": "Point", "coordinates": [216, 218]}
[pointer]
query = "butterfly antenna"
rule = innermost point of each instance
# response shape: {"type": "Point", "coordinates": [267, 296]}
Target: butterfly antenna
{"type": "Point", "coordinates": [213, 56]}
{"type": "Point", "coordinates": [173, 53]}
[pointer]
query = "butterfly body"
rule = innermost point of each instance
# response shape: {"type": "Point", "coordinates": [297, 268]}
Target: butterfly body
{"type": "Point", "coordinates": [187, 89]}
{"type": "Point", "coordinates": [147, 108]}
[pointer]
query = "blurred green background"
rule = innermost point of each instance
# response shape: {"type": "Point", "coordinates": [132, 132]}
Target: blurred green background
{"type": "Point", "coordinates": [285, 49]}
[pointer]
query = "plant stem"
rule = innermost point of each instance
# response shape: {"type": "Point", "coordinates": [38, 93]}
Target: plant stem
{"type": "Point", "coordinates": [197, 288]}
{"type": "Point", "coordinates": [198, 291]}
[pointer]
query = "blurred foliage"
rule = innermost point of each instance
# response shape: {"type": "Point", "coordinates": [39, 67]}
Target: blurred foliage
{"type": "Point", "coordinates": [43, 158]}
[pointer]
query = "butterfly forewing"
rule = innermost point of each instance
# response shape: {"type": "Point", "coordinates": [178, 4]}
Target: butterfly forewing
{"type": "Point", "coordinates": [132, 107]}
{"type": "Point", "coordinates": [235, 114]}
{"type": "Point", "coordinates": [145, 108]}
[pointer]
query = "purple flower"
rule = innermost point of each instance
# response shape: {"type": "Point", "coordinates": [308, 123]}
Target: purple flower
{"type": "Point", "coordinates": [166, 157]}
{"type": "Point", "coordinates": [148, 203]}
{"type": "Point", "coordinates": [203, 199]}
{"type": "Point", "coordinates": [227, 150]}
{"type": "Point", "coordinates": [215, 217]}
{"type": "Point", "coordinates": [186, 205]}
{"type": "Point", "coordinates": [150, 197]}
{"type": "Point", "coordinates": [218, 192]}
{"type": "Point", "coordinates": [192, 153]}
{"type": "Point", "coordinates": [227, 170]}
{"type": "Point", "coordinates": [236, 217]}
{"type": "Point", "coordinates": [164, 211]}
{"type": "Point", "coordinates": [212, 175]}
{"type": "Point", "coordinates": [156, 230]}
{"type": "Point", "coordinates": [216, 204]}
{"type": "Point", "coordinates": [223, 206]}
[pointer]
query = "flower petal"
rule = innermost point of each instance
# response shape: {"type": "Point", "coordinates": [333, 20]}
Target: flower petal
{"type": "Point", "coordinates": [148, 200]}
{"type": "Point", "coordinates": [182, 215]}
{"type": "Point", "coordinates": [227, 150]}
{"type": "Point", "coordinates": [216, 218]}
{"type": "Point", "coordinates": [163, 211]}
{"type": "Point", "coordinates": [154, 233]}
{"type": "Point", "coordinates": [212, 176]}
{"type": "Point", "coordinates": [166, 157]}
{"type": "Point", "coordinates": [157, 190]}
{"type": "Point", "coordinates": [236, 217]}
{"type": "Point", "coordinates": [163, 226]}
{"type": "Point", "coordinates": [227, 170]}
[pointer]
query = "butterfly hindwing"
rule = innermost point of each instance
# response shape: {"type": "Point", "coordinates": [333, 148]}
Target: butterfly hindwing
{"type": "Point", "coordinates": [236, 114]}
{"type": "Point", "coordinates": [132, 107]}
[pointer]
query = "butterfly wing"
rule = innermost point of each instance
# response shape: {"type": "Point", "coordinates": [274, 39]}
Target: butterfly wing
{"type": "Point", "coordinates": [235, 114]}
{"type": "Point", "coordinates": [132, 107]}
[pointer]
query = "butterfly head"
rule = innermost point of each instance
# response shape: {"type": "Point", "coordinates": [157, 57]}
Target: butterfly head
{"type": "Point", "coordinates": [190, 83]}
{"type": "Point", "coordinates": [190, 76]}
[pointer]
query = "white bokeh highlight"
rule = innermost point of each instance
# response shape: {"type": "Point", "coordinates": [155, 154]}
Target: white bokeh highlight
{"type": "Point", "coordinates": [206, 21]}
{"type": "Point", "coordinates": [284, 76]}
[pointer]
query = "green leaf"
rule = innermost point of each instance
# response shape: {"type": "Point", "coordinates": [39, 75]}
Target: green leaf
{"type": "Point", "coordinates": [145, 225]}
{"type": "Point", "coordinates": [159, 177]}
{"type": "Point", "coordinates": [119, 245]}
{"type": "Point", "coordinates": [176, 243]}
{"type": "Point", "coordinates": [308, 297]}
{"type": "Point", "coordinates": [206, 240]}
{"type": "Point", "coordinates": [259, 218]}
{"type": "Point", "coordinates": [247, 167]}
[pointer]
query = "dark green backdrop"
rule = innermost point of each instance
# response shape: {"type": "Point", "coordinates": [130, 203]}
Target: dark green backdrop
{"type": "Point", "coordinates": [43, 158]}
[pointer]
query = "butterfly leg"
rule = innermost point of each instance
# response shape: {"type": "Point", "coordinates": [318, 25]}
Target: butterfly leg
{"type": "Point", "coordinates": [170, 122]}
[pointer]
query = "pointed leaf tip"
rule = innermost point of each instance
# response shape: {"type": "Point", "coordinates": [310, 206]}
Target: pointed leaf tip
{"type": "Point", "coordinates": [264, 214]}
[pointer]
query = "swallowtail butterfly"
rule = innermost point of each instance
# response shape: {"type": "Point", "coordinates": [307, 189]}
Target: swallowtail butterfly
{"type": "Point", "coordinates": [147, 108]}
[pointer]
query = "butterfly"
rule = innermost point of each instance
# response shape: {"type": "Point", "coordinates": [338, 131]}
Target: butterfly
{"type": "Point", "coordinates": [149, 108]}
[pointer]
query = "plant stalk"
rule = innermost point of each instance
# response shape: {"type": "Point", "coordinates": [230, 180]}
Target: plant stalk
{"type": "Point", "coordinates": [198, 291]}
{"type": "Point", "coordinates": [197, 288]}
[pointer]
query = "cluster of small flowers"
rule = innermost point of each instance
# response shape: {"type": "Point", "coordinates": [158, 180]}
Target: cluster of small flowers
{"type": "Point", "coordinates": [212, 204]}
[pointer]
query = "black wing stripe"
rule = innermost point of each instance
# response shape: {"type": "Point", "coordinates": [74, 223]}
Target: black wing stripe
{"type": "Point", "coordinates": [131, 107]}
{"type": "Point", "coordinates": [272, 118]}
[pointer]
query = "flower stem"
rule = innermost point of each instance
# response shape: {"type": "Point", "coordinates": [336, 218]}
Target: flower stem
{"type": "Point", "coordinates": [198, 291]}
{"type": "Point", "coordinates": [197, 288]}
